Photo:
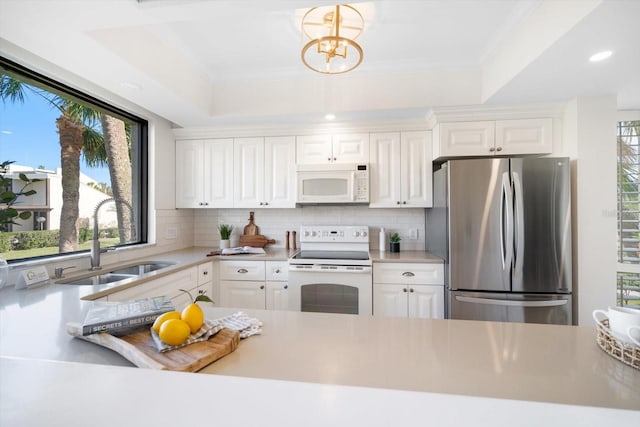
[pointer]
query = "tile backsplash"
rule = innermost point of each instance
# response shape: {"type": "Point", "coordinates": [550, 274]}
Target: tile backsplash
{"type": "Point", "coordinates": [274, 223]}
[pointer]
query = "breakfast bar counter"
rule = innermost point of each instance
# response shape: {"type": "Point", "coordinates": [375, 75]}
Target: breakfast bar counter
{"type": "Point", "coordinates": [320, 355]}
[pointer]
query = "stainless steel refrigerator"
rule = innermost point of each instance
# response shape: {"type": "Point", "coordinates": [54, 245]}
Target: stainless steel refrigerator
{"type": "Point", "coordinates": [503, 227]}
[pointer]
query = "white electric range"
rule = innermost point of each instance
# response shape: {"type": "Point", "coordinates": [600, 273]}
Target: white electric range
{"type": "Point", "coordinates": [332, 273]}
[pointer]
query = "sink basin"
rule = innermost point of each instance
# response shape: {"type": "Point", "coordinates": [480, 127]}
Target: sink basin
{"type": "Point", "coordinates": [118, 274]}
{"type": "Point", "coordinates": [142, 268]}
{"type": "Point", "coordinates": [100, 279]}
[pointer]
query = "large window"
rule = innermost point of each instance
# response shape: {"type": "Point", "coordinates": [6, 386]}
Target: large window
{"type": "Point", "coordinates": [629, 213]}
{"type": "Point", "coordinates": [70, 165]}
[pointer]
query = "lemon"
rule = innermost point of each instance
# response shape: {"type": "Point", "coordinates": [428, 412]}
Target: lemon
{"type": "Point", "coordinates": [163, 318]}
{"type": "Point", "coordinates": [174, 331]}
{"type": "Point", "coordinates": [193, 315]}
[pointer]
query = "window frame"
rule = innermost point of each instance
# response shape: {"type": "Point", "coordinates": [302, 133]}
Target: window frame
{"type": "Point", "coordinates": [141, 173]}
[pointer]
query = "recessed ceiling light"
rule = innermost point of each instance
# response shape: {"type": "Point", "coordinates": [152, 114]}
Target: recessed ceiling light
{"type": "Point", "coordinates": [330, 116]}
{"type": "Point", "coordinates": [600, 56]}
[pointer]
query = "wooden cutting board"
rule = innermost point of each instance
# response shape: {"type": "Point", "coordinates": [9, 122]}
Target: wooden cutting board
{"type": "Point", "coordinates": [258, 241]}
{"type": "Point", "coordinates": [139, 349]}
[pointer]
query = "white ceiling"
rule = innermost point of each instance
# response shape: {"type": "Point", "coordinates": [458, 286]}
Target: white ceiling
{"type": "Point", "coordinates": [214, 62]}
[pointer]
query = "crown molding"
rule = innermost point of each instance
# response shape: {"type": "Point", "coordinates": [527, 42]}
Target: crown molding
{"type": "Point", "coordinates": [299, 129]}
{"type": "Point", "coordinates": [491, 112]}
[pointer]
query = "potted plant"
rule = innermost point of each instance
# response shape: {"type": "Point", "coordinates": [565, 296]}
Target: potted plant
{"type": "Point", "coordinates": [394, 242]}
{"type": "Point", "coordinates": [225, 235]}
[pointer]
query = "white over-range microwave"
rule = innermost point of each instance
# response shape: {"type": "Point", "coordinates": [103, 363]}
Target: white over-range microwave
{"type": "Point", "coordinates": [333, 183]}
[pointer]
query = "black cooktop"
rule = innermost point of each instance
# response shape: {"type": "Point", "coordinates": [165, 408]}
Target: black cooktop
{"type": "Point", "coordinates": [354, 255]}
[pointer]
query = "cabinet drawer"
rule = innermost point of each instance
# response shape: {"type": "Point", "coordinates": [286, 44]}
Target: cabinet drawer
{"type": "Point", "coordinates": [407, 273]}
{"type": "Point", "coordinates": [205, 273]}
{"type": "Point", "coordinates": [242, 270]}
{"type": "Point", "coordinates": [277, 271]}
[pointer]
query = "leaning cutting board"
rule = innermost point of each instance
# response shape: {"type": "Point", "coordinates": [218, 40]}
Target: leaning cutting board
{"type": "Point", "coordinates": [258, 241]}
{"type": "Point", "coordinates": [139, 349]}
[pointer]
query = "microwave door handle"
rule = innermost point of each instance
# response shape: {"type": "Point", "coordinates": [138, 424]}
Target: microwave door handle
{"type": "Point", "coordinates": [353, 186]}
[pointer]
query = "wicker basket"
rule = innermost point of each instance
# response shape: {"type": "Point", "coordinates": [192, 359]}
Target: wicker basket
{"type": "Point", "coordinates": [626, 353]}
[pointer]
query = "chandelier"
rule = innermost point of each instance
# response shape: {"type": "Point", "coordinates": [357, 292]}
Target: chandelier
{"type": "Point", "coordinates": [331, 31]}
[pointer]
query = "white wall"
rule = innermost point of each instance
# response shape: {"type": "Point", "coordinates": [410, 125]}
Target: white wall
{"type": "Point", "coordinates": [589, 138]}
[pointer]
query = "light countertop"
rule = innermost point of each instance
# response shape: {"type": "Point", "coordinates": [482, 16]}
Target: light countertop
{"type": "Point", "coordinates": [405, 256]}
{"type": "Point", "coordinates": [523, 362]}
{"type": "Point", "coordinates": [59, 394]}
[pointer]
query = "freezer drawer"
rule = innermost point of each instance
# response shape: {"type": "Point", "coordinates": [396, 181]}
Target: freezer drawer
{"type": "Point", "coordinates": [503, 307]}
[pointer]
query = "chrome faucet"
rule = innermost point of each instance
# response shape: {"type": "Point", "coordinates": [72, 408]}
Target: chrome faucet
{"type": "Point", "coordinates": [58, 272]}
{"type": "Point", "coordinates": [95, 243]}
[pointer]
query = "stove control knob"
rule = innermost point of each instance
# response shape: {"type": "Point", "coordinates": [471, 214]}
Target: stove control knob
{"type": "Point", "coordinates": [313, 234]}
{"type": "Point", "coordinates": [306, 234]}
{"type": "Point", "coordinates": [356, 234]}
{"type": "Point", "coordinates": [364, 233]}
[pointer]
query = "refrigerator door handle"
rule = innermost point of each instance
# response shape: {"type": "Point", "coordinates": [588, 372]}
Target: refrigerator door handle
{"type": "Point", "coordinates": [506, 220]}
{"type": "Point", "coordinates": [493, 301]}
{"type": "Point", "coordinates": [518, 256]}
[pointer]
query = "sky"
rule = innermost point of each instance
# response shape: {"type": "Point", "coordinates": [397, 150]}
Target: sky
{"type": "Point", "coordinates": [29, 137]}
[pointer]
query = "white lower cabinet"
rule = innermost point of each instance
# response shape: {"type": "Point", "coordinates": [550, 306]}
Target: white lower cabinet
{"type": "Point", "coordinates": [254, 284]}
{"type": "Point", "coordinates": [169, 285]}
{"type": "Point", "coordinates": [408, 290]}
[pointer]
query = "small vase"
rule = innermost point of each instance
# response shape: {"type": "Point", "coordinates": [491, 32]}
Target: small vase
{"type": "Point", "coordinates": [224, 244]}
{"type": "Point", "coordinates": [394, 246]}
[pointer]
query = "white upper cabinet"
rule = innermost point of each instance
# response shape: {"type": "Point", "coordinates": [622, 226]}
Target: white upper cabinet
{"type": "Point", "coordinates": [204, 176]}
{"type": "Point", "coordinates": [401, 170]}
{"type": "Point", "coordinates": [248, 182]}
{"type": "Point", "coordinates": [342, 148]}
{"type": "Point", "coordinates": [493, 138]}
{"type": "Point", "coordinates": [264, 172]}
{"type": "Point", "coordinates": [530, 136]}
{"type": "Point", "coordinates": [280, 172]}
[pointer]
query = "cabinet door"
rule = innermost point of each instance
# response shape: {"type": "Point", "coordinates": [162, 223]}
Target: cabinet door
{"type": "Point", "coordinates": [313, 149]}
{"type": "Point", "coordinates": [528, 136]}
{"type": "Point", "coordinates": [280, 172]}
{"type": "Point", "coordinates": [384, 161]}
{"type": "Point", "coordinates": [242, 294]}
{"type": "Point", "coordinates": [218, 173]}
{"type": "Point", "coordinates": [389, 300]}
{"type": "Point", "coordinates": [189, 174]}
{"type": "Point", "coordinates": [465, 139]}
{"type": "Point", "coordinates": [351, 148]}
{"type": "Point", "coordinates": [169, 285]}
{"type": "Point", "coordinates": [248, 184]}
{"type": "Point", "coordinates": [277, 297]}
{"type": "Point", "coordinates": [426, 301]}
{"type": "Point", "coordinates": [416, 169]}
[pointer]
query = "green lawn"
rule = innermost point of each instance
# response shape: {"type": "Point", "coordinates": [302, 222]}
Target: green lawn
{"type": "Point", "coordinates": [30, 253]}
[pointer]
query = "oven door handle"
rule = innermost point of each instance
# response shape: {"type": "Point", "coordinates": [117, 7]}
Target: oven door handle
{"type": "Point", "coordinates": [323, 269]}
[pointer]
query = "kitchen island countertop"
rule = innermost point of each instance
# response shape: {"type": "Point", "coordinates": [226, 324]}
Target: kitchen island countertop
{"type": "Point", "coordinates": [518, 362]}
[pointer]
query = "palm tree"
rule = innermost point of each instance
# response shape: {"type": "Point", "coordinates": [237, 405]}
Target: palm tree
{"type": "Point", "coordinates": [78, 135]}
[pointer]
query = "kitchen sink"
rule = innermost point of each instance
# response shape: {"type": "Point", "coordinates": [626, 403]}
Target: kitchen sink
{"type": "Point", "coordinates": [117, 274]}
{"type": "Point", "coordinates": [99, 279]}
{"type": "Point", "coordinates": [142, 268]}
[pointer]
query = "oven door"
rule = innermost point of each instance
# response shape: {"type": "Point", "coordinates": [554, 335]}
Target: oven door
{"type": "Point", "coordinates": [331, 289]}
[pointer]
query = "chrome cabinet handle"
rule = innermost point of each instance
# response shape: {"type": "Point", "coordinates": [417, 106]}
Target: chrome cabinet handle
{"type": "Point", "coordinates": [243, 270]}
{"type": "Point", "coordinates": [492, 149]}
{"type": "Point", "coordinates": [404, 203]}
{"type": "Point", "coordinates": [398, 202]}
{"type": "Point", "coordinates": [404, 289]}
{"type": "Point", "coordinates": [411, 290]}
{"type": "Point", "coordinates": [408, 274]}
{"type": "Point", "coordinates": [499, 149]}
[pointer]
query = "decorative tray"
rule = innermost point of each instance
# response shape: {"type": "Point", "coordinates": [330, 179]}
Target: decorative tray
{"type": "Point", "coordinates": [624, 352]}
